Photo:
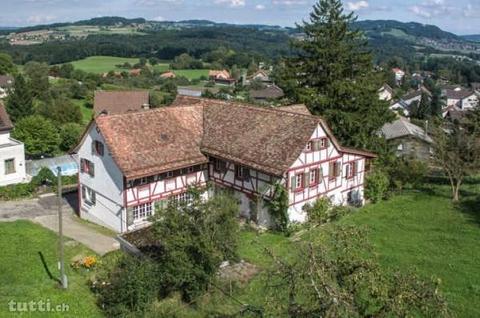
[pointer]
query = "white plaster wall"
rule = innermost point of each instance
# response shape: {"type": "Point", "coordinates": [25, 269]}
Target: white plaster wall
{"type": "Point", "coordinates": [107, 184]}
{"type": "Point", "coordinates": [470, 102]}
{"type": "Point", "coordinates": [12, 149]}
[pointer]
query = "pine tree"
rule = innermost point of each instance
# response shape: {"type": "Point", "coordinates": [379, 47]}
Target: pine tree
{"type": "Point", "coordinates": [335, 77]}
{"type": "Point", "coordinates": [20, 101]}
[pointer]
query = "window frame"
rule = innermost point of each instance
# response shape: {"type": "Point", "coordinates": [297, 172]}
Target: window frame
{"type": "Point", "coordinates": [7, 171]}
{"type": "Point", "coordinates": [315, 173]}
{"type": "Point", "coordinates": [89, 196]}
{"type": "Point", "coordinates": [299, 177]}
{"type": "Point", "coordinates": [99, 148]}
{"type": "Point", "coordinates": [309, 146]}
{"type": "Point", "coordinates": [142, 212]}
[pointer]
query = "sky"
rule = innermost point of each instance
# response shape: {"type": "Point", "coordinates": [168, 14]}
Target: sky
{"type": "Point", "coordinates": [457, 16]}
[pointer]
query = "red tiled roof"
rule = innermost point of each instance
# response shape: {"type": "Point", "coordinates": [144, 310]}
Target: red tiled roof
{"type": "Point", "coordinates": [5, 123]}
{"type": "Point", "coordinates": [266, 139]}
{"type": "Point", "coordinates": [119, 102]}
{"type": "Point", "coordinates": [151, 142]}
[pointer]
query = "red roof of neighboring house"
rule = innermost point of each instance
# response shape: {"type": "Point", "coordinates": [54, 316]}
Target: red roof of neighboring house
{"type": "Point", "coordinates": [169, 138]}
{"type": "Point", "coordinates": [168, 74]}
{"type": "Point", "coordinates": [223, 74]}
{"type": "Point", "coordinates": [135, 72]}
{"type": "Point", "coordinates": [5, 122]}
{"type": "Point", "coordinates": [118, 102]}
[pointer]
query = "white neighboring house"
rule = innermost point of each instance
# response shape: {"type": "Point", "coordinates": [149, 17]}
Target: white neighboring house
{"type": "Point", "coordinates": [385, 93]}
{"type": "Point", "coordinates": [131, 164]}
{"type": "Point", "coordinates": [461, 98]}
{"type": "Point", "coordinates": [6, 83]}
{"type": "Point", "coordinates": [402, 106]}
{"type": "Point", "coordinates": [399, 75]}
{"type": "Point", "coordinates": [12, 154]}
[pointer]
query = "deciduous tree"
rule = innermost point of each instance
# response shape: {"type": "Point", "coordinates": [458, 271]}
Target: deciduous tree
{"type": "Point", "coordinates": [39, 135]}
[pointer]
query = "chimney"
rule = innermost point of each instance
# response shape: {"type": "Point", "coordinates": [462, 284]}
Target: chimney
{"type": "Point", "coordinates": [145, 106]}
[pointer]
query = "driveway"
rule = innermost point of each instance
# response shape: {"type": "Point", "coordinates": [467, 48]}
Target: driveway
{"type": "Point", "coordinates": [44, 211]}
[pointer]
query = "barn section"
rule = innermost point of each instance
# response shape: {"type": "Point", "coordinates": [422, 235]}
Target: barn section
{"type": "Point", "coordinates": [131, 163]}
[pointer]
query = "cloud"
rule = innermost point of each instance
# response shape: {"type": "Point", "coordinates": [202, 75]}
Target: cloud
{"type": "Point", "coordinates": [355, 6]}
{"type": "Point", "coordinates": [471, 11]}
{"type": "Point", "coordinates": [37, 19]}
{"type": "Point", "coordinates": [151, 3]}
{"type": "Point", "coordinates": [259, 7]}
{"type": "Point", "coordinates": [159, 19]}
{"type": "Point", "coordinates": [232, 3]}
{"type": "Point", "coordinates": [431, 8]}
{"type": "Point", "coordinates": [289, 2]}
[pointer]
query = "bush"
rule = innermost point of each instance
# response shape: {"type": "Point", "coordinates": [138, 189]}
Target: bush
{"type": "Point", "coordinates": [44, 177]}
{"type": "Point", "coordinates": [16, 191]}
{"type": "Point", "coordinates": [129, 288]}
{"type": "Point", "coordinates": [408, 173]}
{"type": "Point", "coordinates": [376, 186]}
{"type": "Point", "coordinates": [322, 211]}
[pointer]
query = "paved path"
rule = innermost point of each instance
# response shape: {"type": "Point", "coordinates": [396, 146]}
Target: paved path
{"type": "Point", "coordinates": [44, 212]}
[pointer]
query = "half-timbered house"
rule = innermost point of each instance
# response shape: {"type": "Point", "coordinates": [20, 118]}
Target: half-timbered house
{"type": "Point", "coordinates": [133, 163]}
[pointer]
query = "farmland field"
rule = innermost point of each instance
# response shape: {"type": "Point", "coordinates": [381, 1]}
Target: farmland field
{"type": "Point", "coordinates": [102, 64]}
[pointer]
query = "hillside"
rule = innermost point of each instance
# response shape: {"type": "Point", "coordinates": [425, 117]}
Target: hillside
{"type": "Point", "coordinates": [472, 37]}
{"type": "Point", "coordinates": [117, 36]}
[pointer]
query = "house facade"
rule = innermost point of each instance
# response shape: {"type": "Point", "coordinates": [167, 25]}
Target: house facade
{"type": "Point", "coordinates": [132, 164]}
{"type": "Point", "coordinates": [385, 93]}
{"type": "Point", "coordinates": [12, 154]}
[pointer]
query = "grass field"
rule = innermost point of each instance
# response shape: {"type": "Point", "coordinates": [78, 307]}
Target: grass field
{"type": "Point", "coordinates": [24, 277]}
{"type": "Point", "coordinates": [102, 64]}
{"type": "Point", "coordinates": [87, 113]}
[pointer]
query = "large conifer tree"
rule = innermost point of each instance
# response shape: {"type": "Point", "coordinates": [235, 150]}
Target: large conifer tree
{"type": "Point", "coordinates": [20, 101]}
{"type": "Point", "coordinates": [335, 77]}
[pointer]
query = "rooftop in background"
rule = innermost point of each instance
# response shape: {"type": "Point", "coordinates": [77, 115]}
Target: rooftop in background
{"type": "Point", "coordinates": [267, 92]}
{"type": "Point", "coordinates": [5, 122]}
{"type": "Point", "coordinates": [6, 81]}
{"type": "Point", "coordinates": [119, 102]}
{"type": "Point", "coordinates": [404, 128]}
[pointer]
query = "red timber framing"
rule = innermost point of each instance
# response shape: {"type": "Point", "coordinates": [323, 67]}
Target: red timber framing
{"type": "Point", "coordinates": [251, 185]}
{"type": "Point", "coordinates": [326, 185]}
{"type": "Point", "coordinates": [165, 188]}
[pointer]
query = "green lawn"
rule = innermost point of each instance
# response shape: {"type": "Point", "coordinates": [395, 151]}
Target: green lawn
{"type": "Point", "coordinates": [102, 64]}
{"type": "Point", "coordinates": [87, 112]}
{"type": "Point", "coordinates": [23, 277]}
{"type": "Point", "coordinates": [191, 74]}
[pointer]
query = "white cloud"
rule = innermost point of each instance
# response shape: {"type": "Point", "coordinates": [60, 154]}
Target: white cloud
{"type": "Point", "coordinates": [355, 6]}
{"type": "Point", "coordinates": [259, 7]}
{"type": "Point", "coordinates": [159, 18]}
{"type": "Point", "coordinates": [289, 2]}
{"type": "Point", "coordinates": [471, 11]}
{"type": "Point", "coordinates": [431, 8]}
{"type": "Point", "coordinates": [232, 3]}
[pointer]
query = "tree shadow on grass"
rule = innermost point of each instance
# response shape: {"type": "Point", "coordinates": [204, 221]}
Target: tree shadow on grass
{"type": "Point", "coordinates": [471, 208]}
{"type": "Point", "coordinates": [47, 270]}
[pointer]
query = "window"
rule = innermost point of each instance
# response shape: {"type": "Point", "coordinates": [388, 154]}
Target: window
{"type": "Point", "coordinates": [9, 166]}
{"type": "Point", "coordinates": [143, 181]}
{"type": "Point", "coordinates": [314, 177]}
{"type": "Point", "coordinates": [309, 146]}
{"type": "Point", "coordinates": [297, 182]}
{"type": "Point", "coordinates": [323, 143]}
{"type": "Point", "coordinates": [142, 212]}
{"type": "Point", "coordinates": [350, 170]}
{"type": "Point", "coordinates": [333, 170]}
{"type": "Point", "coordinates": [169, 174]}
{"type": "Point", "coordinates": [184, 197]}
{"type": "Point", "coordinates": [220, 165]}
{"type": "Point", "coordinates": [87, 166]}
{"type": "Point", "coordinates": [88, 196]}
{"type": "Point", "coordinates": [98, 148]}
{"type": "Point", "coordinates": [242, 173]}
{"type": "Point", "coordinates": [190, 169]}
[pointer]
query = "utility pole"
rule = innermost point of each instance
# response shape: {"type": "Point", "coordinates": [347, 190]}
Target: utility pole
{"type": "Point", "coordinates": [61, 263]}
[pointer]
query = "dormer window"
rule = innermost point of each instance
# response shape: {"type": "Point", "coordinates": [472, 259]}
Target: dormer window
{"type": "Point", "coordinates": [98, 148]}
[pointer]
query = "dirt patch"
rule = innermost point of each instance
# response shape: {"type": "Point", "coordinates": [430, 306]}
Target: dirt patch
{"type": "Point", "coordinates": [241, 272]}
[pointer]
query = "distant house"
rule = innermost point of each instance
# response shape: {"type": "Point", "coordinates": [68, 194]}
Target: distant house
{"type": "Point", "coordinates": [402, 106]}
{"type": "Point", "coordinates": [12, 153]}
{"type": "Point", "coordinates": [407, 139]}
{"type": "Point", "coordinates": [475, 87]}
{"type": "Point", "coordinates": [119, 102]}
{"type": "Point", "coordinates": [6, 83]}
{"type": "Point", "coordinates": [461, 98]}
{"type": "Point", "coordinates": [267, 93]}
{"type": "Point", "coordinates": [221, 77]}
{"type": "Point", "coordinates": [453, 114]}
{"type": "Point", "coordinates": [260, 75]}
{"type": "Point", "coordinates": [399, 75]}
{"type": "Point", "coordinates": [385, 93]}
{"type": "Point", "coordinates": [168, 74]}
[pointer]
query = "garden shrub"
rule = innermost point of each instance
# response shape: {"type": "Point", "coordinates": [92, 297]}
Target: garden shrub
{"type": "Point", "coordinates": [377, 184]}
{"type": "Point", "coordinates": [322, 211]}
{"type": "Point", "coordinates": [129, 288]}
{"type": "Point", "coordinates": [408, 173]}
{"type": "Point", "coordinates": [16, 191]}
{"type": "Point", "coordinates": [44, 177]}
